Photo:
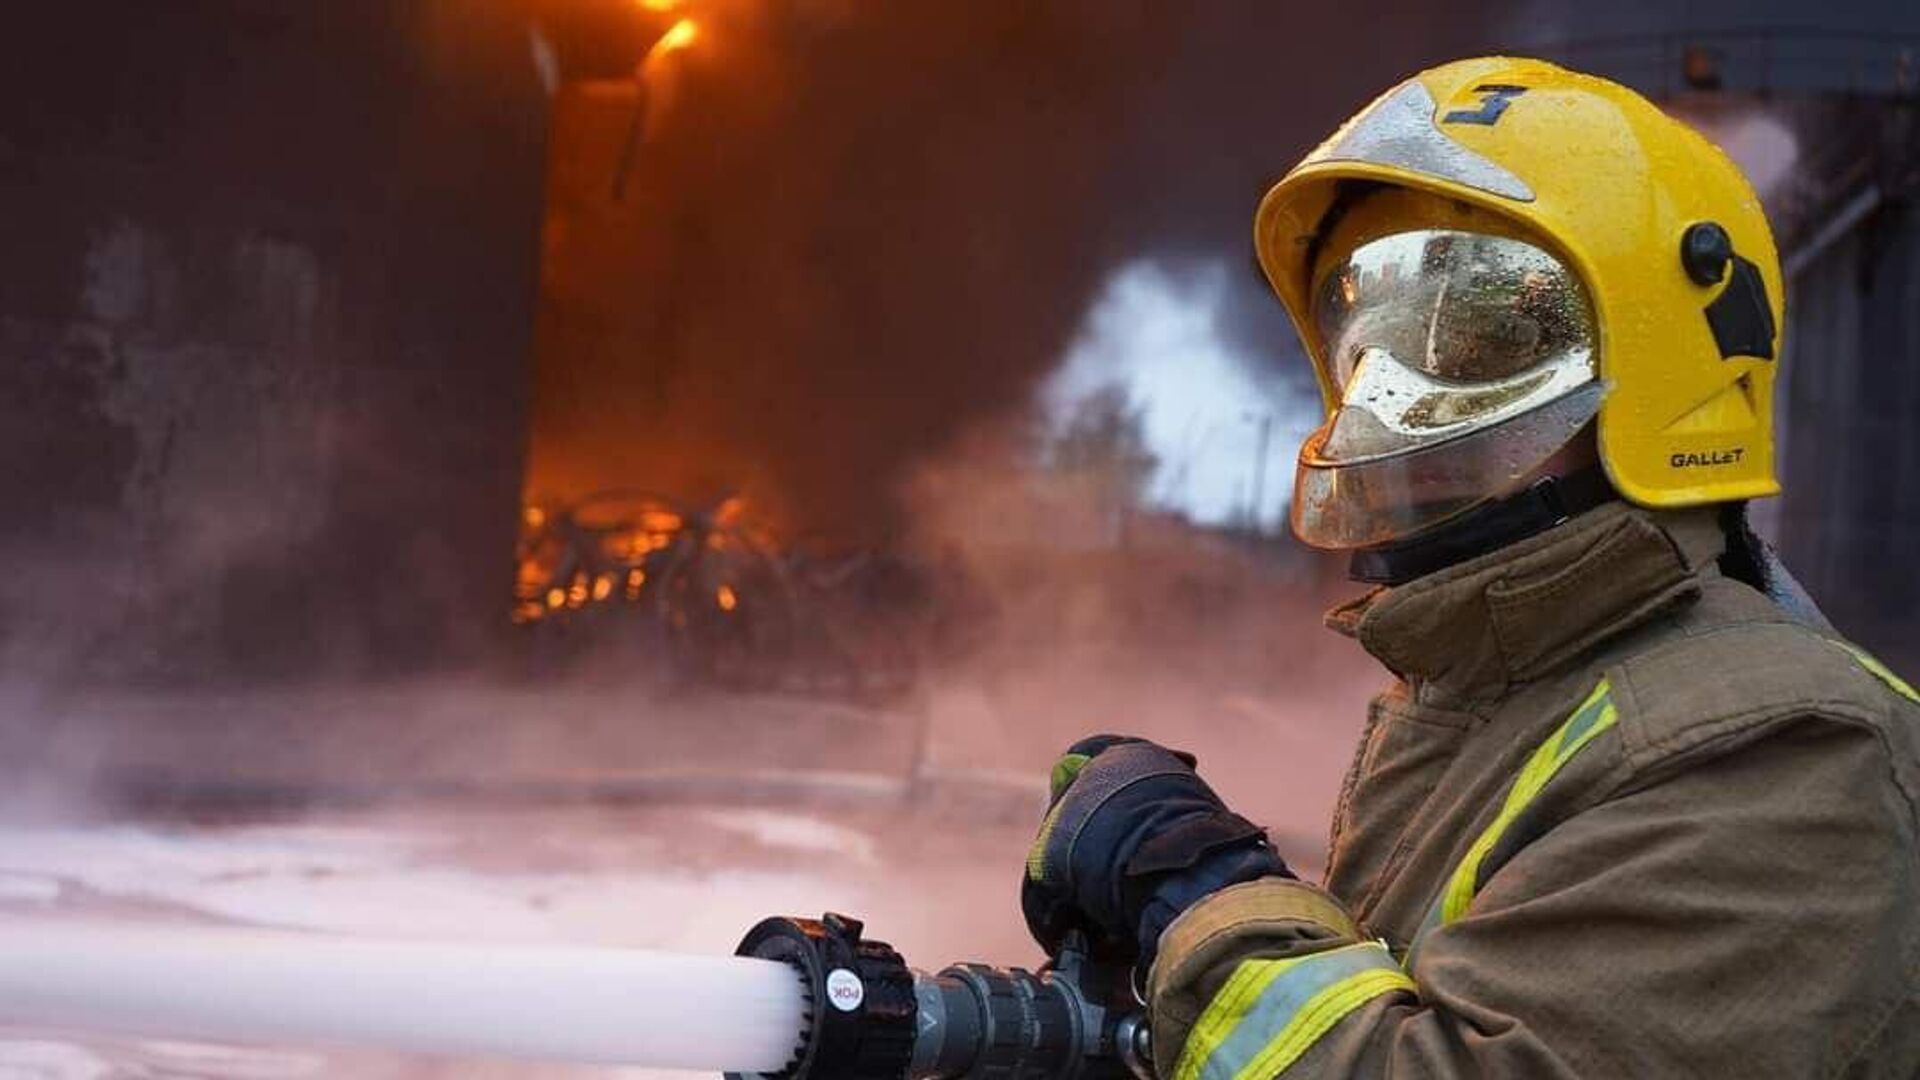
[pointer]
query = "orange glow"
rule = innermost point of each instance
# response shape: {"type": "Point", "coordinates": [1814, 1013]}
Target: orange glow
{"type": "Point", "coordinates": [602, 587]}
{"type": "Point", "coordinates": [681, 36]}
{"type": "Point", "coordinates": [725, 598]}
{"type": "Point", "coordinates": [556, 597]}
{"type": "Point", "coordinates": [535, 517]}
{"type": "Point", "coordinates": [659, 521]}
{"type": "Point", "coordinates": [662, 6]}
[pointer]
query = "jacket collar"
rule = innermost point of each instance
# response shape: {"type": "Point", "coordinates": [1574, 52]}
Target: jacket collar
{"type": "Point", "coordinates": [1473, 630]}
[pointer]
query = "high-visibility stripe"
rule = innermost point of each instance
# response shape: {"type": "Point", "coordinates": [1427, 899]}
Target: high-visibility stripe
{"type": "Point", "coordinates": [1037, 855]}
{"type": "Point", "coordinates": [1270, 1012]}
{"type": "Point", "coordinates": [1879, 670]}
{"type": "Point", "coordinates": [1064, 771]}
{"type": "Point", "coordinates": [1595, 715]}
{"type": "Point", "coordinates": [1583, 727]}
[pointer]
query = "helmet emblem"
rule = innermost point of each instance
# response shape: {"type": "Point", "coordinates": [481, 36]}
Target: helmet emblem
{"type": "Point", "coordinates": [1494, 99]}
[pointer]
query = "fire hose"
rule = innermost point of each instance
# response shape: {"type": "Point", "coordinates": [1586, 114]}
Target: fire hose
{"type": "Point", "coordinates": [803, 999]}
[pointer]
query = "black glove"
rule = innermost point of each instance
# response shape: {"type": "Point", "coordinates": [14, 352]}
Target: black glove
{"type": "Point", "coordinates": [1131, 839]}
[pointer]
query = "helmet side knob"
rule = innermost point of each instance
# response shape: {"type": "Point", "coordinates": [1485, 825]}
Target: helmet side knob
{"type": "Point", "coordinates": [1705, 251]}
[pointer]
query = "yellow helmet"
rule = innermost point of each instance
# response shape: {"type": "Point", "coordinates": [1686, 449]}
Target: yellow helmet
{"type": "Point", "coordinates": [1663, 233]}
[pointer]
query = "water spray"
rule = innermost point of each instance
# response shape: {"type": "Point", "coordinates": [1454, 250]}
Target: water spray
{"type": "Point", "coordinates": [803, 999]}
{"type": "Point", "coordinates": [535, 1002]}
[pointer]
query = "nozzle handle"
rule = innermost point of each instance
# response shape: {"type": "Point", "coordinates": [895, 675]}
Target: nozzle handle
{"type": "Point", "coordinates": [861, 1012]}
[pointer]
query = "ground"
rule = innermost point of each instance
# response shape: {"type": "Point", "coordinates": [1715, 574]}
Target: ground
{"type": "Point", "coordinates": [584, 814]}
{"type": "Point", "coordinates": [683, 877]}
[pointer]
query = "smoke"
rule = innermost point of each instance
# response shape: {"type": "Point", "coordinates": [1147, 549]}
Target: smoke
{"type": "Point", "coordinates": [868, 261]}
{"type": "Point", "coordinates": [856, 234]}
{"type": "Point", "coordinates": [1219, 424]}
{"type": "Point", "coordinates": [844, 259]}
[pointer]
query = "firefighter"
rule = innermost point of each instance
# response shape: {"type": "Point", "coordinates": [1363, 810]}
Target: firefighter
{"type": "Point", "coordinates": [1630, 807]}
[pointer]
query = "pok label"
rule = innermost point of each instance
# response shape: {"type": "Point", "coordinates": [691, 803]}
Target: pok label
{"type": "Point", "coordinates": [845, 989]}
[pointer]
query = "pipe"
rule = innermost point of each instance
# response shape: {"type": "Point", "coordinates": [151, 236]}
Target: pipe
{"type": "Point", "coordinates": [541, 1002]}
{"type": "Point", "coordinates": [1833, 230]}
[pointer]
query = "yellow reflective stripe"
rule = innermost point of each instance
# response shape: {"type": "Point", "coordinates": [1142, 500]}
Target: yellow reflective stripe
{"type": "Point", "coordinates": [1223, 1013]}
{"type": "Point", "coordinates": [1321, 1013]}
{"type": "Point", "coordinates": [1595, 715]}
{"type": "Point", "coordinates": [1064, 772]}
{"type": "Point", "coordinates": [1037, 855]}
{"type": "Point", "coordinates": [1270, 1012]}
{"type": "Point", "coordinates": [1880, 671]}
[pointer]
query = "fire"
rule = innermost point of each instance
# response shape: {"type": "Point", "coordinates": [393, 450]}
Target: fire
{"type": "Point", "coordinates": [732, 598]}
{"type": "Point", "coordinates": [606, 549]}
{"type": "Point", "coordinates": [663, 7]}
{"type": "Point", "coordinates": [679, 37]}
{"type": "Point", "coordinates": [659, 522]}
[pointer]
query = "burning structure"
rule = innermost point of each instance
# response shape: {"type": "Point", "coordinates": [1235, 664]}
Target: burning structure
{"type": "Point", "coordinates": [710, 594]}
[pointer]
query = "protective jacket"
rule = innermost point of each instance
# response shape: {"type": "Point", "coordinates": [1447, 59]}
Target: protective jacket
{"type": "Point", "coordinates": [1619, 816]}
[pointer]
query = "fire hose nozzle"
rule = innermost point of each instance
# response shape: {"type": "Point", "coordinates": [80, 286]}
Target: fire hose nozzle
{"type": "Point", "coordinates": [870, 1017]}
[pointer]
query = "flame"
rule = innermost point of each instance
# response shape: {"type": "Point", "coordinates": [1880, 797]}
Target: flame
{"type": "Point", "coordinates": [567, 563]}
{"type": "Point", "coordinates": [662, 6]}
{"type": "Point", "coordinates": [679, 37]}
{"type": "Point", "coordinates": [659, 521]}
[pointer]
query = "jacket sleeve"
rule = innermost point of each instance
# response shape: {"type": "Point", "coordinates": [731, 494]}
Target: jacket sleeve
{"type": "Point", "coordinates": [1748, 915]}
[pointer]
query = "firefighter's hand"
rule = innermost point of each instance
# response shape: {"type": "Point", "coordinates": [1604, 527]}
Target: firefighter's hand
{"type": "Point", "coordinates": [1132, 837]}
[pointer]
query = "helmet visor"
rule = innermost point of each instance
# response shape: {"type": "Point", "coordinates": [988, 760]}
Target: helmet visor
{"type": "Point", "coordinates": [1349, 505]}
{"type": "Point", "coordinates": [1433, 338]}
{"type": "Point", "coordinates": [1463, 307]}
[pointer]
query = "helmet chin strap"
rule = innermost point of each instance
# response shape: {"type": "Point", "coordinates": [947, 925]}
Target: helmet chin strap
{"type": "Point", "coordinates": [1542, 505]}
